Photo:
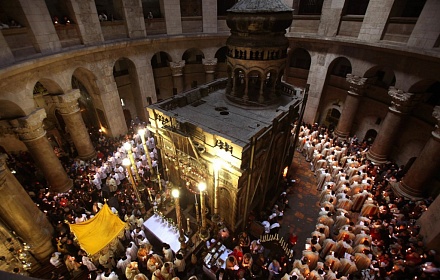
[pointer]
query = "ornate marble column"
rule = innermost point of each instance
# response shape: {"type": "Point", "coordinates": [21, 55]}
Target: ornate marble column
{"type": "Point", "coordinates": [401, 105]}
{"type": "Point", "coordinates": [351, 105]}
{"type": "Point", "coordinates": [177, 73]}
{"type": "Point", "coordinates": [67, 105]}
{"type": "Point", "coordinates": [30, 130]}
{"type": "Point", "coordinates": [210, 66]}
{"type": "Point", "coordinates": [20, 213]}
{"type": "Point", "coordinates": [427, 164]}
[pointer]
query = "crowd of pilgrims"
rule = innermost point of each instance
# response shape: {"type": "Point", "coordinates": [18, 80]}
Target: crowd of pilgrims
{"type": "Point", "coordinates": [363, 231]}
{"type": "Point", "coordinates": [95, 182]}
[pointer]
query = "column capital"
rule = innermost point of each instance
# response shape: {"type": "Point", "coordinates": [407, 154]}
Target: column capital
{"type": "Point", "coordinates": [30, 127]}
{"type": "Point", "coordinates": [177, 68]}
{"type": "Point", "coordinates": [209, 64]}
{"type": "Point", "coordinates": [401, 102]}
{"type": "Point", "coordinates": [436, 115]}
{"type": "Point", "coordinates": [356, 84]}
{"type": "Point", "coordinates": [66, 103]}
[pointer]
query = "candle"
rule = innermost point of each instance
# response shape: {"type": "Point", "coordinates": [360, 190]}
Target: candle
{"type": "Point", "coordinates": [188, 225]}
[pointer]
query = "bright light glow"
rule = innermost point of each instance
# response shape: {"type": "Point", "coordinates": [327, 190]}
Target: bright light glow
{"type": "Point", "coordinates": [285, 171]}
{"type": "Point", "coordinates": [226, 156]}
{"type": "Point", "coordinates": [202, 186]}
{"type": "Point", "coordinates": [217, 164]}
{"type": "Point", "coordinates": [141, 131]}
{"type": "Point", "coordinates": [127, 146]}
{"type": "Point", "coordinates": [126, 162]}
{"type": "Point", "coordinates": [175, 193]}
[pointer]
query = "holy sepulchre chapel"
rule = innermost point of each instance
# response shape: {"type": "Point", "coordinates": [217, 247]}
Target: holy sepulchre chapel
{"type": "Point", "coordinates": [236, 139]}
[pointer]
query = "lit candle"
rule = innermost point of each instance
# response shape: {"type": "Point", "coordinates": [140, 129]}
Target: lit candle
{"type": "Point", "coordinates": [188, 225]}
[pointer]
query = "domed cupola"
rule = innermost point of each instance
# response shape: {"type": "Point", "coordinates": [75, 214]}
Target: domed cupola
{"type": "Point", "coordinates": [257, 50]}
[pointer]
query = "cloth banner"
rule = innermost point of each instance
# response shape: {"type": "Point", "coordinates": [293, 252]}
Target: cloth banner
{"type": "Point", "coordinates": [95, 234]}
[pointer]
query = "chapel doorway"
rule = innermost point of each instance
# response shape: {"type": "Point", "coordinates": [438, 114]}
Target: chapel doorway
{"type": "Point", "coordinates": [370, 136]}
{"type": "Point", "coordinates": [332, 118]}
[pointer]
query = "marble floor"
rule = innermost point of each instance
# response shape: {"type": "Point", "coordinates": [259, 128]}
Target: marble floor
{"type": "Point", "coordinates": [301, 217]}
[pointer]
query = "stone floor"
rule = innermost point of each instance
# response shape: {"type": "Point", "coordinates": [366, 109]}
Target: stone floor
{"type": "Point", "coordinates": [300, 219]}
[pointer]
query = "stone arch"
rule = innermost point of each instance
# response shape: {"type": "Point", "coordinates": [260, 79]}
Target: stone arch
{"type": "Point", "coordinates": [221, 55]}
{"type": "Point", "coordinates": [53, 125]}
{"type": "Point", "coordinates": [163, 80]}
{"type": "Point", "coordinates": [194, 72]}
{"type": "Point", "coordinates": [381, 76]}
{"type": "Point", "coordinates": [239, 82]}
{"type": "Point", "coordinates": [300, 58]}
{"type": "Point", "coordinates": [430, 90]}
{"type": "Point", "coordinates": [161, 60]}
{"type": "Point", "coordinates": [10, 110]}
{"type": "Point", "coordinates": [340, 67]}
{"type": "Point", "coordinates": [85, 103]}
{"type": "Point", "coordinates": [270, 79]}
{"type": "Point", "coordinates": [50, 86]}
{"type": "Point", "coordinates": [92, 109]}
{"type": "Point", "coordinates": [193, 56]}
{"type": "Point", "coordinates": [255, 77]}
{"type": "Point", "coordinates": [127, 82]}
{"type": "Point", "coordinates": [369, 136]}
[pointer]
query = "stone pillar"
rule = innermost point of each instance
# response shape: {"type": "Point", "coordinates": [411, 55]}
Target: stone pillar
{"type": "Point", "coordinates": [86, 18]}
{"type": "Point", "coordinates": [209, 16]}
{"type": "Point", "coordinates": [134, 19]}
{"type": "Point", "coordinates": [111, 114]}
{"type": "Point", "coordinates": [177, 73]}
{"type": "Point", "coordinates": [146, 82]}
{"type": "Point", "coordinates": [430, 227]}
{"type": "Point", "coordinates": [375, 20]}
{"type": "Point", "coordinates": [141, 85]}
{"type": "Point", "coordinates": [30, 130]}
{"type": "Point", "coordinates": [427, 28]}
{"type": "Point", "coordinates": [45, 37]}
{"type": "Point", "coordinates": [401, 105]}
{"type": "Point", "coordinates": [21, 214]}
{"type": "Point", "coordinates": [318, 69]}
{"type": "Point", "coordinates": [67, 105]}
{"type": "Point", "coordinates": [351, 104]}
{"type": "Point", "coordinates": [173, 17]}
{"type": "Point", "coordinates": [210, 66]}
{"type": "Point", "coordinates": [330, 17]}
{"type": "Point", "coordinates": [414, 184]}
{"type": "Point", "coordinates": [6, 56]}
